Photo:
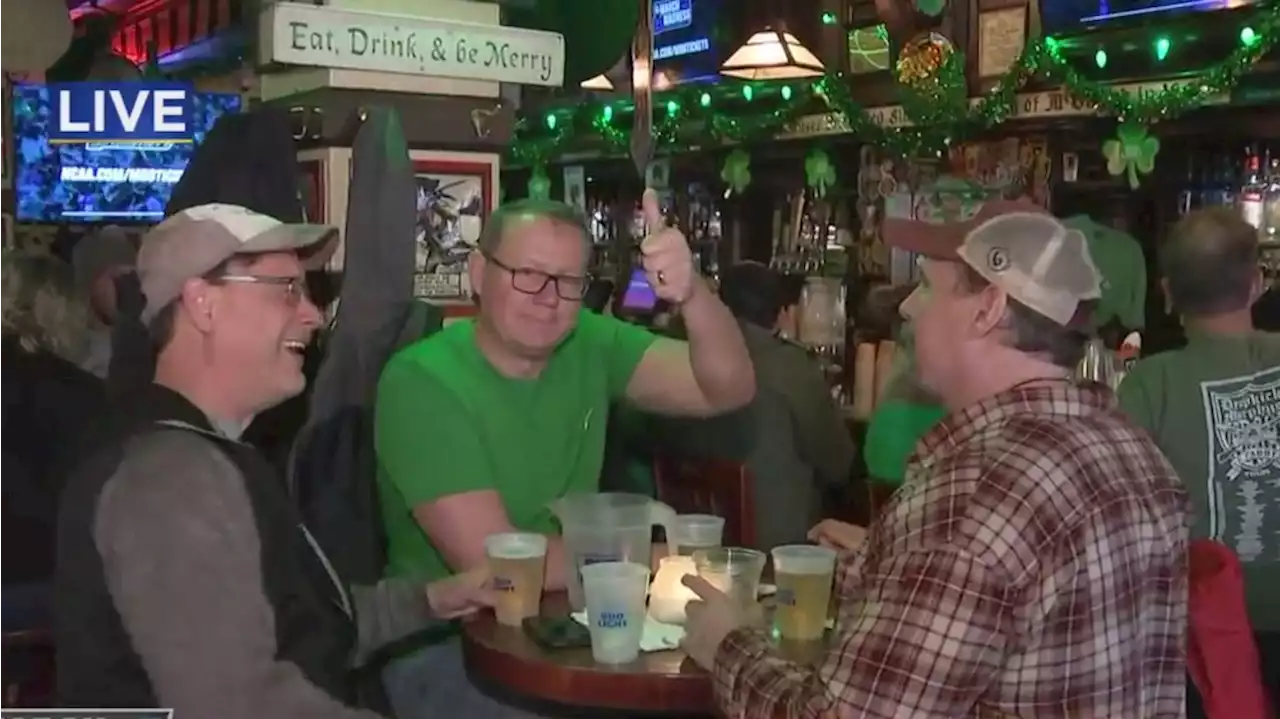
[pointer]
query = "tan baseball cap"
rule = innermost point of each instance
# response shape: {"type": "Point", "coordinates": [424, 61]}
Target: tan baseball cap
{"type": "Point", "coordinates": [1017, 246]}
{"type": "Point", "coordinates": [193, 242]}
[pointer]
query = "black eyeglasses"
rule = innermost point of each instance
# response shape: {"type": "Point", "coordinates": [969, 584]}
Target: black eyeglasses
{"type": "Point", "coordinates": [295, 288]}
{"type": "Point", "coordinates": [531, 282]}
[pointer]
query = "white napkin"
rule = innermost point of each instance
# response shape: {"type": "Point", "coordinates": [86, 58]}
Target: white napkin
{"type": "Point", "coordinates": [656, 637]}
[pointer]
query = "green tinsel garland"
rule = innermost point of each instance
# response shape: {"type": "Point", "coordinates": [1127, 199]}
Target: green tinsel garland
{"type": "Point", "coordinates": [936, 125]}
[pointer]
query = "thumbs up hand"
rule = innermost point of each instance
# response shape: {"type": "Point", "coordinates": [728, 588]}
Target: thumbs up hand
{"type": "Point", "coordinates": [665, 256]}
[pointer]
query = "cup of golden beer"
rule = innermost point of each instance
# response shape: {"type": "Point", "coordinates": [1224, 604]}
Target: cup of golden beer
{"type": "Point", "coordinates": [803, 574]}
{"type": "Point", "coordinates": [516, 563]}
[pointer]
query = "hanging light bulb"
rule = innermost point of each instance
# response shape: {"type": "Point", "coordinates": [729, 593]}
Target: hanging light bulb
{"type": "Point", "coordinates": [772, 54]}
{"type": "Point", "coordinates": [1162, 48]}
{"type": "Point", "coordinates": [599, 82]}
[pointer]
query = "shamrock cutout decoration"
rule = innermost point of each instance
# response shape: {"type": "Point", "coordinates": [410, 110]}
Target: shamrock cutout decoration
{"type": "Point", "coordinates": [819, 173]}
{"type": "Point", "coordinates": [539, 184]}
{"type": "Point", "coordinates": [1133, 152]}
{"type": "Point", "coordinates": [737, 172]}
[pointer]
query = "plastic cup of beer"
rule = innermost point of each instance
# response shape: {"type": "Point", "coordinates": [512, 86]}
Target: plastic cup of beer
{"type": "Point", "coordinates": [516, 564]}
{"type": "Point", "coordinates": [615, 594]}
{"type": "Point", "coordinates": [698, 531]}
{"type": "Point", "coordinates": [803, 573]}
{"type": "Point", "coordinates": [733, 570]}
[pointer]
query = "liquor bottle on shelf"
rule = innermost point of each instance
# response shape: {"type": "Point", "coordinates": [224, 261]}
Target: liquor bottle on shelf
{"type": "Point", "coordinates": [1190, 196]}
{"type": "Point", "coordinates": [1253, 188]}
{"type": "Point", "coordinates": [1220, 181]}
{"type": "Point", "coordinates": [1228, 179]}
{"type": "Point", "coordinates": [1271, 200]}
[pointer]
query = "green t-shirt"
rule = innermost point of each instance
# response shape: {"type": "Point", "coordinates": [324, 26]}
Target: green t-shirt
{"type": "Point", "coordinates": [1123, 268]}
{"type": "Point", "coordinates": [894, 431]}
{"type": "Point", "coordinates": [447, 422]}
{"type": "Point", "coordinates": [1214, 410]}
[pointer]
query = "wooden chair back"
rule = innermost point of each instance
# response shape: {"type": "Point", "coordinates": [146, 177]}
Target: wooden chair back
{"type": "Point", "coordinates": [710, 486]}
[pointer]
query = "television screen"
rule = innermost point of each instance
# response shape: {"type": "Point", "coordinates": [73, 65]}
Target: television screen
{"type": "Point", "coordinates": [1061, 16]}
{"type": "Point", "coordinates": [686, 40]}
{"type": "Point", "coordinates": [97, 181]}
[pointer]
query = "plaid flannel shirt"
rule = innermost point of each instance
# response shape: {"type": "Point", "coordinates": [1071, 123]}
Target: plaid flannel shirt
{"type": "Point", "coordinates": [1034, 564]}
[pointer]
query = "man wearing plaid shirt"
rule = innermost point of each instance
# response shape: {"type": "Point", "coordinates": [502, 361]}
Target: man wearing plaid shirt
{"type": "Point", "coordinates": [1034, 562]}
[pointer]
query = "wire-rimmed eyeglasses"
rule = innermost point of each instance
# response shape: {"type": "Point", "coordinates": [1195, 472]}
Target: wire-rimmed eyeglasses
{"type": "Point", "coordinates": [295, 288]}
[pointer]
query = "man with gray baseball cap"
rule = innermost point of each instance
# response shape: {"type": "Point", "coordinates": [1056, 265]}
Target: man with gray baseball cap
{"type": "Point", "coordinates": [1034, 561]}
{"type": "Point", "coordinates": [185, 576]}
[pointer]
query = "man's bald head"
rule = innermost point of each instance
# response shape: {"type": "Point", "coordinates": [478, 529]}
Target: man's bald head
{"type": "Point", "coordinates": [1210, 263]}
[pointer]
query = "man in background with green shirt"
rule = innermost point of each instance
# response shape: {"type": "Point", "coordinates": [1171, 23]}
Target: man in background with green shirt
{"type": "Point", "coordinates": [480, 426]}
{"type": "Point", "coordinates": [1214, 406]}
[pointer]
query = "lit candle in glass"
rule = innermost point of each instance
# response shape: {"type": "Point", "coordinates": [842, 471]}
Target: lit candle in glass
{"type": "Point", "coordinates": [668, 595]}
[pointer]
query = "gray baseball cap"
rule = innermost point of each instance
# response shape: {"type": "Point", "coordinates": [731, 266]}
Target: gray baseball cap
{"type": "Point", "coordinates": [193, 242]}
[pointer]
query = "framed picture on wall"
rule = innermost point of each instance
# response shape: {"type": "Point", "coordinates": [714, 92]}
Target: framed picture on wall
{"type": "Point", "coordinates": [456, 191]}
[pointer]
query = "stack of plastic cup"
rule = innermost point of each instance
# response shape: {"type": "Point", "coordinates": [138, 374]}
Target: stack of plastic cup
{"type": "Point", "coordinates": [698, 531]}
{"type": "Point", "coordinates": [733, 570]}
{"type": "Point", "coordinates": [615, 594]}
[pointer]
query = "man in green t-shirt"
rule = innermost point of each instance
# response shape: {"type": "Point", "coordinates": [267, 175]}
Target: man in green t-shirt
{"type": "Point", "coordinates": [480, 426]}
{"type": "Point", "coordinates": [1214, 406]}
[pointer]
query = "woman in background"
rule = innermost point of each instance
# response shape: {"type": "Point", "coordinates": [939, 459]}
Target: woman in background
{"type": "Point", "coordinates": [905, 414]}
{"type": "Point", "coordinates": [907, 411]}
{"type": "Point", "coordinates": [48, 401]}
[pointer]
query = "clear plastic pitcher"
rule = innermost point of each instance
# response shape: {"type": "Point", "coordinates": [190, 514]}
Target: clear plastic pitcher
{"type": "Point", "coordinates": [609, 527]}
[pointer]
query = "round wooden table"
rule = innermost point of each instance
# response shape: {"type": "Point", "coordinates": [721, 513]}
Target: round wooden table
{"type": "Point", "coordinates": [658, 683]}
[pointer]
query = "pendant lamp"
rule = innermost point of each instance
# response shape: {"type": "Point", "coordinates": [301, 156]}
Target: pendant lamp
{"type": "Point", "coordinates": [772, 54]}
{"type": "Point", "coordinates": [599, 82]}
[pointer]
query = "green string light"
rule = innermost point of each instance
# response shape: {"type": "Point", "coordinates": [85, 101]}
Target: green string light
{"type": "Point", "coordinates": [1100, 58]}
{"type": "Point", "coordinates": [694, 122]}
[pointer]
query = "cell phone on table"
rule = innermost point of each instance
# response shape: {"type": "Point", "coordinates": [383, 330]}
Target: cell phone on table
{"type": "Point", "coordinates": [557, 632]}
